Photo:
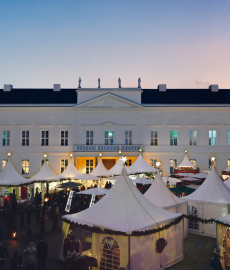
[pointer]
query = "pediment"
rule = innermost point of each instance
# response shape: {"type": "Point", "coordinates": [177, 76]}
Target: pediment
{"type": "Point", "coordinates": [108, 124]}
{"type": "Point", "coordinates": [109, 100]}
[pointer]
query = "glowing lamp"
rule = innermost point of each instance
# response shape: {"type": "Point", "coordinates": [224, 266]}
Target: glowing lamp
{"type": "Point", "coordinates": [158, 164]}
{"type": "Point", "coordinates": [45, 156]}
{"type": "Point", "coordinates": [124, 159]}
{"type": "Point", "coordinates": [8, 154]}
{"type": "Point", "coordinates": [213, 158]}
{"type": "Point", "coordinates": [71, 154]}
{"type": "Point", "coordinates": [186, 151]}
{"type": "Point", "coordinates": [46, 199]}
{"type": "Point", "coordinates": [110, 134]}
{"type": "Point", "coordinates": [100, 154]}
{"type": "Point", "coordinates": [140, 149]}
{"type": "Point", "coordinates": [14, 235]}
{"type": "Point", "coordinates": [119, 152]}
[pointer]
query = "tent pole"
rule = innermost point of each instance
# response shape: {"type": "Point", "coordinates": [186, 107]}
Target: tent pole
{"type": "Point", "coordinates": [129, 253]}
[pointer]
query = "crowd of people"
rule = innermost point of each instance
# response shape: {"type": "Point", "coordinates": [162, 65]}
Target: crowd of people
{"type": "Point", "coordinates": [31, 253]}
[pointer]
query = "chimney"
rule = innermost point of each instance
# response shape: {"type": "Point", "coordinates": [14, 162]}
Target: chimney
{"type": "Point", "coordinates": [214, 87]}
{"type": "Point", "coordinates": [162, 87]}
{"type": "Point", "coordinates": [57, 87]}
{"type": "Point", "coordinates": [7, 87]}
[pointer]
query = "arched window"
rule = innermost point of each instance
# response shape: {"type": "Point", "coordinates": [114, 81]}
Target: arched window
{"type": "Point", "coordinates": [110, 254]}
{"type": "Point", "coordinates": [192, 224]}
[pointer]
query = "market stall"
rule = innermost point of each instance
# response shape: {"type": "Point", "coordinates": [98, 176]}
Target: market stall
{"type": "Point", "coordinates": [186, 166]}
{"type": "Point", "coordinates": [101, 172]}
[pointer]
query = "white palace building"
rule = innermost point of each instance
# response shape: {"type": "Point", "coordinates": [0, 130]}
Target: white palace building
{"type": "Point", "coordinates": [161, 123]}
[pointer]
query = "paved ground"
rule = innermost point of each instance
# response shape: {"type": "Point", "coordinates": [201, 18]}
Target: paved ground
{"type": "Point", "coordinates": [198, 250]}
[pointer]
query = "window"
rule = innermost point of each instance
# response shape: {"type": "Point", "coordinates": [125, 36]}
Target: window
{"type": "Point", "coordinates": [64, 164]}
{"type": "Point", "coordinates": [110, 254]}
{"type": "Point", "coordinates": [108, 137]}
{"type": "Point", "coordinates": [173, 137]}
{"type": "Point", "coordinates": [228, 137]}
{"type": "Point", "coordinates": [228, 162]}
{"type": "Point", "coordinates": [192, 224]}
{"type": "Point", "coordinates": [128, 137]}
{"type": "Point", "coordinates": [153, 162]}
{"type": "Point", "coordinates": [5, 138]}
{"type": "Point", "coordinates": [173, 164]}
{"type": "Point", "coordinates": [128, 162]}
{"type": "Point", "coordinates": [212, 137]}
{"type": "Point", "coordinates": [193, 161]}
{"type": "Point", "coordinates": [154, 138]}
{"type": "Point", "coordinates": [25, 138]}
{"type": "Point", "coordinates": [89, 137]}
{"type": "Point", "coordinates": [3, 163]}
{"type": "Point", "coordinates": [89, 165]}
{"type": "Point", "coordinates": [45, 138]}
{"type": "Point", "coordinates": [43, 160]}
{"type": "Point", "coordinates": [64, 138]}
{"type": "Point", "coordinates": [193, 137]}
{"type": "Point", "coordinates": [25, 166]}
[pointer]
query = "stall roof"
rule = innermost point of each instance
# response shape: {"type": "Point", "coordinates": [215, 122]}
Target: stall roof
{"type": "Point", "coordinates": [160, 195]}
{"type": "Point", "coordinates": [94, 191]}
{"type": "Point", "coordinates": [45, 174]}
{"type": "Point", "coordinates": [212, 190]}
{"type": "Point", "coordinates": [143, 181]}
{"type": "Point", "coordinates": [186, 163]}
{"type": "Point", "coordinates": [227, 169]}
{"type": "Point", "coordinates": [100, 170]}
{"type": "Point", "coordinates": [117, 168]}
{"type": "Point", "coordinates": [123, 209]}
{"type": "Point", "coordinates": [9, 176]}
{"type": "Point", "coordinates": [140, 166]}
{"type": "Point", "coordinates": [225, 219]}
{"type": "Point", "coordinates": [70, 172]}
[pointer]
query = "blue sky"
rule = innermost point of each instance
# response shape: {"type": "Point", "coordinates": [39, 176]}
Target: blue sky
{"type": "Point", "coordinates": [184, 44]}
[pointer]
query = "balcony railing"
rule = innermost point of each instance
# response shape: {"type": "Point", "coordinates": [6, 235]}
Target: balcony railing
{"type": "Point", "coordinates": [108, 148]}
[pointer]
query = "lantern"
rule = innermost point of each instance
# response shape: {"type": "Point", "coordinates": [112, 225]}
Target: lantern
{"type": "Point", "coordinates": [14, 232]}
{"type": "Point", "coordinates": [46, 199]}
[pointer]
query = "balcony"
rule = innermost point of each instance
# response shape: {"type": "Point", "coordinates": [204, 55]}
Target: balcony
{"type": "Point", "coordinates": [108, 148]}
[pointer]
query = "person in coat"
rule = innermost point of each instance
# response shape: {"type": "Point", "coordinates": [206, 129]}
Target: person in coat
{"type": "Point", "coordinates": [3, 254]}
{"type": "Point", "coordinates": [42, 249]}
{"type": "Point", "coordinates": [30, 251]}
{"type": "Point", "coordinates": [78, 246]}
{"type": "Point", "coordinates": [16, 262]}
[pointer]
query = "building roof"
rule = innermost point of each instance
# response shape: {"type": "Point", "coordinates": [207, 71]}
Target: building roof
{"type": "Point", "coordinates": [39, 96]}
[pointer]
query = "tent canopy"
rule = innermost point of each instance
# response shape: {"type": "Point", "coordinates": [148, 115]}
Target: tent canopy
{"type": "Point", "coordinates": [171, 180]}
{"type": "Point", "coordinates": [160, 195]}
{"type": "Point", "coordinates": [44, 174]}
{"type": "Point", "coordinates": [94, 191]}
{"type": "Point", "coordinates": [212, 190]}
{"type": "Point", "coordinates": [142, 181]}
{"type": "Point", "coordinates": [117, 168]}
{"type": "Point", "coordinates": [227, 169]}
{"type": "Point", "coordinates": [189, 178]}
{"type": "Point", "coordinates": [123, 209]}
{"type": "Point", "coordinates": [140, 166]}
{"type": "Point", "coordinates": [225, 219]}
{"type": "Point", "coordinates": [9, 176]}
{"type": "Point", "coordinates": [100, 170]}
{"type": "Point", "coordinates": [69, 185]}
{"type": "Point", "coordinates": [86, 176]}
{"type": "Point", "coordinates": [70, 172]}
{"type": "Point", "coordinates": [186, 163]}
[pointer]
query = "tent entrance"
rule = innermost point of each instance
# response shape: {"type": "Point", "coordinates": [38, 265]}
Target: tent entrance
{"type": "Point", "coordinates": [110, 254]}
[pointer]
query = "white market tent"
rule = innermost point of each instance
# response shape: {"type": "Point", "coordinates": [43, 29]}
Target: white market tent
{"type": "Point", "coordinates": [125, 210]}
{"type": "Point", "coordinates": [160, 195]}
{"type": "Point", "coordinates": [71, 172]}
{"type": "Point", "coordinates": [189, 178]}
{"type": "Point", "coordinates": [86, 176]}
{"type": "Point", "coordinates": [142, 181]}
{"type": "Point", "coordinates": [100, 170]}
{"type": "Point", "coordinates": [140, 166]}
{"type": "Point", "coordinates": [170, 180]}
{"type": "Point", "coordinates": [44, 174]}
{"type": "Point", "coordinates": [227, 183]}
{"type": "Point", "coordinates": [186, 163]}
{"type": "Point", "coordinates": [94, 191]}
{"type": "Point", "coordinates": [210, 200]}
{"type": "Point", "coordinates": [227, 169]}
{"type": "Point", "coordinates": [9, 176]}
{"type": "Point", "coordinates": [117, 168]}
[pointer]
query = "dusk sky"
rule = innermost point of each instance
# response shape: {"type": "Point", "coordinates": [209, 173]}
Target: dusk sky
{"type": "Point", "coordinates": [184, 44]}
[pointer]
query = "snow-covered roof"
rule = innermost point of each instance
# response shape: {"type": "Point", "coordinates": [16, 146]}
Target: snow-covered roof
{"type": "Point", "coordinates": [9, 176]}
{"type": "Point", "coordinates": [100, 170]}
{"type": "Point", "coordinates": [140, 166]}
{"type": "Point", "coordinates": [212, 190]}
{"type": "Point", "coordinates": [123, 209]}
{"type": "Point", "coordinates": [44, 174]}
{"type": "Point", "coordinates": [186, 163]}
{"type": "Point", "coordinates": [160, 195]}
{"type": "Point", "coordinates": [70, 172]}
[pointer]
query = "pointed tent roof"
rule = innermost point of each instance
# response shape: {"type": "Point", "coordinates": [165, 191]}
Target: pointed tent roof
{"type": "Point", "coordinates": [227, 182]}
{"type": "Point", "coordinates": [117, 168]}
{"type": "Point", "coordinates": [160, 195]}
{"type": "Point", "coordinates": [9, 176]}
{"type": "Point", "coordinates": [140, 166]}
{"type": "Point", "coordinates": [123, 209]}
{"type": "Point", "coordinates": [212, 190]}
{"type": "Point", "coordinates": [186, 163]}
{"type": "Point", "coordinates": [70, 172]}
{"type": "Point", "coordinates": [227, 169]}
{"type": "Point", "coordinates": [100, 170]}
{"type": "Point", "coordinates": [44, 174]}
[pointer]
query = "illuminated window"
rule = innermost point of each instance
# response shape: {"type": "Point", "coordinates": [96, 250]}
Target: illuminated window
{"type": "Point", "coordinates": [64, 164]}
{"type": "Point", "coordinates": [173, 164]}
{"type": "Point", "coordinates": [43, 160]}
{"type": "Point", "coordinates": [228, 137]}
{"type": "Point", "coordinates": [193, 137]}
{"type": "Point", "coordinates": [128, 137]}
{"type": "Point", "coordinates": [154, 138]}
{"type": "Point", "coordinates": [25, 166]}
{"type": "Point", "coordinates": [89, 137]}
{"type": "Point", "coordinates": [128, 162]}
{"type": "Point", "coordinates": [193, 224]}
{"type": "Point", "coordinates": [173, 137]}
{"type": "Point", "coordinates": [25, 138]}
{"type": "Point", "coordinates": [3, 163]}
{"type": "Point", "coordinates": [212, 137]}
{"type": "Point", "coordinates": [110, 254]}
{"type": "Point", "coordinates": [153, 162]}
{"type": "Point", "coordinates": [45, 138]}
{"type": "Point", "coordinates": [64, 138]}
{"type": "Point", "coordinates": [109, 137]}
{"type": "Point", "coordinates": [89, 165]}
{"type": "Point", "coordinates": [193, 161]}
{"type": "Point", "coordinates": [228, 162]}
{"type": "Point", "coordinates": [5, 138]}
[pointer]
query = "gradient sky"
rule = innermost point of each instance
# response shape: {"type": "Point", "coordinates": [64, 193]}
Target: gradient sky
{"type": "Point", "coordinates": [184, 44]}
